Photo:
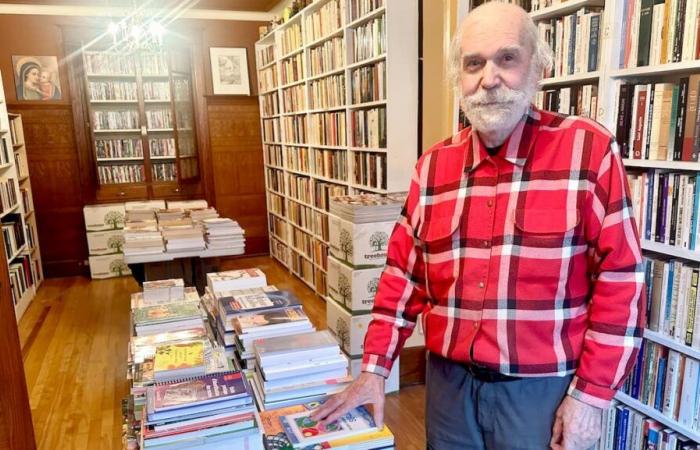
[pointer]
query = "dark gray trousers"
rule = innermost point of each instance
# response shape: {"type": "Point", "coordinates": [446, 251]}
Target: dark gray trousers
{"type": "Point", "coordinates": [465, 413]}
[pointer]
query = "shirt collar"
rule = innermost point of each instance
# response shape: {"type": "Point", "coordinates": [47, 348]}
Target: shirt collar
{"type": "Point", "coordinates": [516, 147]}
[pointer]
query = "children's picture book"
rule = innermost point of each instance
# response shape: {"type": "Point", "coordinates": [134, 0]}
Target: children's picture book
{"type": "Point", "coordinates": [179, 356]}
{"type": "Point", "coordinates": [198, 391]}
{"type": "Point", "coordinates": [302, 430]}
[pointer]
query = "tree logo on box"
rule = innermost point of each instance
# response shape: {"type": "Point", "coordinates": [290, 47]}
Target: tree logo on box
{"type": "Point", "coordinates": [116, 243]}
{"type": "Point", "coordinates": [118, 266]}
{"type": "Point", "coordinates": [343, 333]}
{"type": "Point", "coordinates": [114, 219]}
{"type": "Point", "coordinates": [372, 286]}
{"type": "Point", "coordinates": [344, 287]}
{"type": "Point", "coordinates": [346, 243]}
{"type": "Point", "coordinates": [378, 241]}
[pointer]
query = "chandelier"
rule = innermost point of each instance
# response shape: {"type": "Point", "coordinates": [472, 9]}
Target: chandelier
{"type": "Point", "coordinates": [135, 32]}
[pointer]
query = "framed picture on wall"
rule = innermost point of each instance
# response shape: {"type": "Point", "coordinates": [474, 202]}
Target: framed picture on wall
{"type": "Point", "coordinates": [36, 78]}
{"type": "Point", "coordinates": [229, 71]}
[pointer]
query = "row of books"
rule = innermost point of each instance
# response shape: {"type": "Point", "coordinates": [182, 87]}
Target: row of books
{"type": "Point", "coordinates": [278, 228]}
{"type": "Point", "coordinates": [327, 57]}
{"type": "Point", "coordinates": [270, 104]}
{"type": "Point", "coordinates": [8, 195]}
{"type": "Point", "coordinates": [301, 215]}
{"type": "Point", "coordinates": [302, 267]}
{"type": "Point", "coordinates": [369, 169]}
{"type": "Point", "coordinates": [300, 188]}
{"type": "Point", "coordinates": [116, 120]}
{"type": "Point", "coordinates": [302, 242]}
{"type": "Point", "coordinates": [154, 64]}
{"type": "Point", "coordinates": [275, 178]}
{"type": "Point", "coordinates": [159, 118]}
{"type": "Point", "coordinates": [666, 205]}
{"type": "Point", "coordinates": [27, 203]}
{"type": "Point", "coordinates": [672, 301]}
{"type": "Point", "coordinates": [360, 8]}
{"type": "Point", "coordinates": [164, 171]}
{"type": "Point", "coordinates": [14, 237]}
{"type": "Point", "coordinates": [156, 90]}
{"type": "Point", "coordinates": [277, 204]}
{"type": "Point", "coordinates": [327, 129]}
{"type": "Point", "coordinates": [121, 173]}
{"type": "Point", "coordinates": [102, 63]}
{"type": "Point", "coordinates": [331, 164]}
{"type": "Point", "coordinates": [181, 88]}
{"type": "Point", "coordinates": [667, 381]}
{"type": "Point", "coordinates": [326, 20]}
{"type": "Point", "coordinates": [297, 159]}
{"type": "Point", "coordinates": [273, 155]}
{"type": "Point", "coordinates": [624, 428]}
{"type": "Point", "coordinates": [369, 127]}
{"type": "Point", "coordinates": [271, 130]}
{"type": "Point", "coordinates": [327, 92]}
{"type": "Point", "coordinates": [292, 69]}
{"type": "Point", "coordinates": [294, 129]}
{"type": "Point", "coordinates": [321, 225]}
{"type": "Point", "coordinates": [369, 40]}
{"type": "Point", "coordinates": [267, 79]}
{"type": "Point", "coordinates": [369, 83]}
{"type": "Point", "coordinates": [161, 146]}
{"type": "Point", "coordinates": [291, 39]}
{"type": "Point", "coordinates": [266, 55]}
{"type": "Point", "coordinates": [580, 100]}
{"type": "Point", "coordinates": [118, 148]}
{"type": "Point", "coordinates": [321, 254]}
{"type": "Point", "coordinates": [112, 90]}
{"type": "Point", "coordinates": [324, 191]}
{"type": "Point", "coordinates": [21, 277]}
{"type": "Point", "coordinates": [294, 99]}
{"type": "Point", "coordinates": [4, 151]}
{"type": "Point", "coordinates": [658, 32]}
{"type": "Point", "coordinates": [659, 121]}
{"type": "Point", "coordinates": [15, 131]}
{"type": "Point", "coordinates": [575, 41]}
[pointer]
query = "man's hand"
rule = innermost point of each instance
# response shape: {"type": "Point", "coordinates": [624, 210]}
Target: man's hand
{"type": "Point", "coordinates": [577, 425]}
{"type": "Point", "coordinates": [368, 388]}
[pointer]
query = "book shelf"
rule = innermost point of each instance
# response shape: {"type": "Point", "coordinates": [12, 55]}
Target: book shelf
{"type": "Point", "coordinates": [338, 101]}
{"type": "Point", "coordinates": [141, 122]}
{"type": "Point", "coordinates": [18, 219]}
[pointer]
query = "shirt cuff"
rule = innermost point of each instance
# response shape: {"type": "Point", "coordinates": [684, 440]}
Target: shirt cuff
{"type": "Point", "coordinates": [378, 364]}
{"type": "Point", "coordinates": [592, 394]}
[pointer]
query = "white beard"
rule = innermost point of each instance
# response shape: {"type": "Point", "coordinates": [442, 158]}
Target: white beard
{"type": "Point", "coordinates": [496, 112]}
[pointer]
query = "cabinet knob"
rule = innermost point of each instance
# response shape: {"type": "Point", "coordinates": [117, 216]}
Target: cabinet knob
{"type": "Point", "coordinates": [176, 190]}
{"type": "Point", "coordinates": [122, 193]}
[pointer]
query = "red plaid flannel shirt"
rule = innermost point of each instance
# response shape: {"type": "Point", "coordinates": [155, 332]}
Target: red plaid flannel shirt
{"type": "Point", "coordinates": [527, 262]}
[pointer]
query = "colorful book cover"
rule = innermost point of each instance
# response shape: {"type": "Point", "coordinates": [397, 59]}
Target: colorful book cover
{"type": "Point", "coordinates": [199, 390]}
{"type": "Point", "coordinates": [235, 275]}
{"type": "Point", "coordinates": [179, 356]}
{"type": "Point", "coordinates": [248, 322]}
{"type": "Point", "coordinates": [256, 299]}
{"type": "Point", "coordinates": [165, 312]}
{"type": "Point", "coordinates": [302, 430]}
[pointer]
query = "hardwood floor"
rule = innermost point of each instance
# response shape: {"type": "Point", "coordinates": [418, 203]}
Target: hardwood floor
{"type": "Point", "coordinates": [74, 343]}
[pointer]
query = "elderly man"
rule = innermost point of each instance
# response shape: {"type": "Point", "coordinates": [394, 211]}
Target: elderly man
{"type": "Point", "coordinates": [518, 244]}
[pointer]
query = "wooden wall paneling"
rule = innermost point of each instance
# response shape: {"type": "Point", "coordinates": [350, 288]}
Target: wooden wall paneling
{"type": "Point", "coordinates": [237, 161]}
{"type": "Point", "coordinates": [55, 172]}
{"type": "Point", "coordinates": [16, 427]}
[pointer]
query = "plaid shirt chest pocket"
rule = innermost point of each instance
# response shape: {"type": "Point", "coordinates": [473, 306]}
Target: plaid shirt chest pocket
{"type": "Point", "coordinates": [439, 236]}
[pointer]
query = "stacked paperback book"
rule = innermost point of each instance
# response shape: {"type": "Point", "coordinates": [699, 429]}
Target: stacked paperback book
{"type": "Point", "coordinates": [183, 238]}
{"type": "Point", "coordinates": [224, 233]}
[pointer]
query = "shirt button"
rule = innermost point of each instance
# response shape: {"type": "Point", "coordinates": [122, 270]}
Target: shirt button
{"type": "Point", "coordinates": [481, 284]}
{"type": "Point", "coordinates": [486, 243]}
{"type": "Point", "coordinates": [490, 203]}
{"type": "Point", "coordinates": [476, 325]}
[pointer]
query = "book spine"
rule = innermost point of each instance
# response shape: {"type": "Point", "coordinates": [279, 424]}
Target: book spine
{"type": "Point", "coordinates": [680, 120]}
{"type": "Point", "coordinates": [645, 20]}
{"type": "Point", "coordinates": [593, 43]}
{"type": "Point", "coordinates": [651, 177]}
{"type": "Point", "coordinates": [674, 210]}
{"type": "Point", "coordinates": [692, 305]}
{"type": "Point", "coordinates": [678, 36]}
{"type": "Point", "coordinates": [623, 114]}
{"type": "Point", "coordinates": [649, 125]}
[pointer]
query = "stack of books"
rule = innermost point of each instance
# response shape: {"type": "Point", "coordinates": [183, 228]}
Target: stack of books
{"type": "Point", "coordinates": [183, 238]}
{"type": "Point", "coordinates": [187, 204]}
{"type": "Point", "coordinates": [140, 215]}
{"type": "Point", "coordinates": [163, 291]}
{"type": "Point", "coordinates": [296, 369]}
{"type": "Point", "coordinates": [292, 428]}
{"type": "Point", "coordinates": [224, 233]}
{"type": "Point", "coordinates": [167, 317]}
{"type": "Point", "coordinates": [203, 214]}
{"type": "Point", "coordinates": [232, 280]}
{"type": "Point", "coordinates": [170, 214]}
{"type": "Point", "coordinates": [142, 238]}
{"type": "Point", "coordinates": [208, 411]}
{"type": "Point", "coordinates": [368, 208]}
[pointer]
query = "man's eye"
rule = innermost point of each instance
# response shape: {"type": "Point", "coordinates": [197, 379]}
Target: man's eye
{"type": "Point", "coordinates": [471, 64]}
{"type": "Point", "coordinates": [508, 57]}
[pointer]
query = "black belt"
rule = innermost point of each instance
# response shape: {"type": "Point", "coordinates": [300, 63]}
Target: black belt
{"type": "Point", "coordinates": [482, 373]}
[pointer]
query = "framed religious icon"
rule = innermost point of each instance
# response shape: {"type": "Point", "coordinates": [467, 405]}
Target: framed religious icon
{"type": "Point", "coordinates": [36, 78]}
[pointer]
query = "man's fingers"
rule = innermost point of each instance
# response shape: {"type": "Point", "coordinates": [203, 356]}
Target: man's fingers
{"type": "Point", "coordinates": [337, 413]}
{"type": "Point", "coordinates": [556, 434]}
{"type": "Point", "coordinates": [328, 406]}
{"type": "Point", "coordinates": [379, 414]}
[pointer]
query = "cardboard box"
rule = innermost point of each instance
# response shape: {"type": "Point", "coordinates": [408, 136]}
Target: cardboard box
{"type": "Point", "coordinates": [108, 266]}
{"type": "Point", "coordinates": [359, 245]}
{"type": "Point", "coordinates": [354, 288]}
{"type": "Point", "coordinates": [105, 242]}
{"type": "Point", "coordinates": [349, 330]}
{"type": "Point", "coordinates": [390, 385]}
{"type": "Point", "coordinates": [104, 217]}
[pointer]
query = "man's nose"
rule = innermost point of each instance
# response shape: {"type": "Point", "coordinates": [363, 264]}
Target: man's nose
{"type": "Point", "coordinates": [490, 76]}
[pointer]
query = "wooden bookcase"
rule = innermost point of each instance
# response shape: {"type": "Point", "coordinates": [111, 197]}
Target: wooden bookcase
{"type": "Point", "coordinates": [607, 78]}
{"type": "Point", "coordinates": [18, 217]}
{"type": "Point", "coordinates": [140, 111]}
{"type": "Point", "coordinates": [306, 74]}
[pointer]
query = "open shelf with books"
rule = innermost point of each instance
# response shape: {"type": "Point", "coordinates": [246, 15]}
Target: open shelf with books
{"type": "Point", "coordinates": [17, 218]}
{"type": "Point", "coordinates": [338, 84]}
{"type": "Point", "coordinates": [141, 114]}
